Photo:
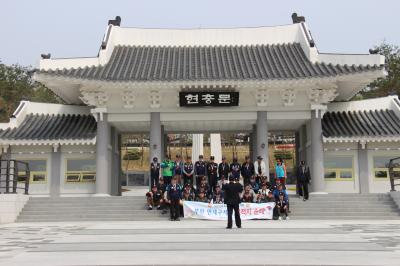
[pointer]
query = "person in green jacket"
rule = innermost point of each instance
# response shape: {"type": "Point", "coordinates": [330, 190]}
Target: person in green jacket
{"type": "Point", "coordinates": [167, 166]}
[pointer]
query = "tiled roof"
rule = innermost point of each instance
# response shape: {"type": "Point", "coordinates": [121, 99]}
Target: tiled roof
{"type": "Point", "coordinates": [373, 123]}
{"type": "Point", "coordinates": [52, 127]}
{"type": "Point", "coordinates": [162, 63]}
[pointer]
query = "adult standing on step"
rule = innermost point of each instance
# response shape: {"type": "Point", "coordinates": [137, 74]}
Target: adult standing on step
{"type": "Point", "coordinates": [178, 170]}
{"type": "Point", "coordinates": [235, 169]}
{"type": "Point", "coordinates": [154, 172]}
{"type": "Point", "coordinates": [174, 196]}
{"type": "Point", "coordinates": [247, 170]}
{"type": "Point", "coordinates": [188, 171]}
{"type": "Point", "coordinates": [260, 169]}
{"type": "Point", "coordinates": [280, 171]}
{"type": "Point", "coordinates": [232, 200]}
{"type": "Point", "coordinates": [167, 169]}
{"type": "Point", "coordinates": [200, 170]}
{"type": "Point", "coordinates": [223, 169]}
{"type": "Point", "coordinates": [212, 173]}
{"type": "Point", "coordinates": [303, 179]}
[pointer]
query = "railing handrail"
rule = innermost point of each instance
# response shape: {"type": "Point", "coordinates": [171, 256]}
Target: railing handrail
{"type": "Point", "coordinates": [391, 176]}
{"type": "Point", "coordinates": [10, 174]}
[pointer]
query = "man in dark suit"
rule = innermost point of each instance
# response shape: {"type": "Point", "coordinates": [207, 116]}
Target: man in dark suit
{"type": "Point", "coordinates": [232, 199]}
{"type": "Point", "coordinates": [223, 169]}
{"type": "Point", "coordinates": [303, 179]}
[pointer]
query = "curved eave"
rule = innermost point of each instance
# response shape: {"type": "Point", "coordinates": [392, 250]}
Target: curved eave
{"type": "Point", "coordinates": [32, 142]}
{"type": "Point", "coordinates": [44, 76]}
{"type": "Point", "coordinates": [361, 139]}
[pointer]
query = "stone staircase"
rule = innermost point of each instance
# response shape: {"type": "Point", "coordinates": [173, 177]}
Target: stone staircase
{"type": "Point", "coordinates": [126, 208]}
{"type": "Point", "coordinates": [345, 207]}
{"type": "Point", "coordinates": [133, 208]}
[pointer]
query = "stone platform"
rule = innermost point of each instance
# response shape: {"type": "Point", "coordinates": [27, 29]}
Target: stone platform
{"type": "Point", "coordinates": [194, 242]}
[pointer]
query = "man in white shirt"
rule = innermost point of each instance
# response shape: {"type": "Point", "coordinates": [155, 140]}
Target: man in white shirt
{"type": "Point", "coordinates": [259, 168]}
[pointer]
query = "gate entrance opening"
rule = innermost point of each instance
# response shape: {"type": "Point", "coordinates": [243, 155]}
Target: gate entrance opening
{"type": "Point", "coordinates": [135, 151]}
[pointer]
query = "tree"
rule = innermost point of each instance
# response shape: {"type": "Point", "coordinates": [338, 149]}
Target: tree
{"type": "Point", "coordinates": [390, 84]}
{"type": "Point", "coordinates": [16, 84]}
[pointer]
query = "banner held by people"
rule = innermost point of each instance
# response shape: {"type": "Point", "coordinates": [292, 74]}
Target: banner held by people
{"type": "Point", "coordinates": [207, 211]}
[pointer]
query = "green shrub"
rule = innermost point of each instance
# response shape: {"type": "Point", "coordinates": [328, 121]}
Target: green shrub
{"type": "Point", "coordinates": [132, 155]}
{"type": "Point", "coordinates": [284, 155]}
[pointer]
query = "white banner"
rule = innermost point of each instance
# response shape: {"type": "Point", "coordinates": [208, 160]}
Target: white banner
{"type": "Point", "coordinates": [248, 211]}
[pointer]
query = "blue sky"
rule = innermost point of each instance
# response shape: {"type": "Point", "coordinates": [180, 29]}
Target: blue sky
{"type": "Point", "coordinates": [74, 28]}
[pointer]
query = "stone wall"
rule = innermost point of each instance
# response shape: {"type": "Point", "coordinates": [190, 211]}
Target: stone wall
{"type": "Point", "coordinates": [10, 206]}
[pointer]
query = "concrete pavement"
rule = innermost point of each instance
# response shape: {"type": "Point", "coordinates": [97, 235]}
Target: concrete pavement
{"type": "Point", "coordinates": [193, 242]}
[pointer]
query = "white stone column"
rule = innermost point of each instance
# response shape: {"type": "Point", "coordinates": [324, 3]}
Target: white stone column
{"type": "Point", "coordinates": [254, 143]}
{"type": "Point", "coordinates": [116, 163]}
{"type": "Point", "coordinates": [197, 146]}
{"type": "Point", "coordinates": [317, 153]}
{"type": "Point", "coordinates": [103, 158]}
{"type": "Point", "coordinates": [297, 151]}
{"type": "Point", "coordinates": [303, 144]}
{"type": "Point", "coordinates": [363, 167]}
{"type": "Point", "coordinates": [155, 136]}
{"type": "Point", "coordinates": [216, 148]}
{"type": "Point", "coordinates": [55, 178]}
{"type": "Point", "coordinates": [262, 138]}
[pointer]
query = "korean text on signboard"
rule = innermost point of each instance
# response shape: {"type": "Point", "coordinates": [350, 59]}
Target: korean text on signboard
{"type": "Point", "coordinates": [198, 99]}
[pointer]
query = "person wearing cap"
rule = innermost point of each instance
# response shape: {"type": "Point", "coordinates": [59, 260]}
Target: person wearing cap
{"type": "Point", "coordinates": [281, 190]}
{"type": "Point", "coordinates": [200, 169]}
{"type": "Point", "coordinates": [178, 168]}
{"type": "Point", "coordinates": [167, 169]}
{"type": "Point", "coordinates": [188, 192]}
{"type": "Point", "coordinates": [261, 198]}
{"type": "Point", "coordinates": [202, 196]}
{"type": "Point", "coordinates": [223, 169]}
{"type": "Point", "coordinates": [212, 173]}
{"type": "Point", "coordinates": [154, 172]}
{"type": "Point", "coordinates": [303, 179]}
{"type": "Point", "coordinates": [188, 171]}
{"type": "Point", "coordinates": [235, 169]}
{"type": "Point", "coordinates": [247, 170]}
{"type": "Point", "coordinates": [174, 196]}
{"type": "Point", "coordinates": [248, 195]}
{"type": "Point", "coordinates": [204, 186]}
{"type": "Point", "coordinates": [270, 197]}
{"type": "Point", "coordinates": [255, 186]}
{"type": "Point", "coordinates": [282, 207]}
{"type": "Point", "coordinates": [218, 195]}
{"type": "Point", "coordinates": [232, 193]}
{"type": "Point", "coordinates": [154, 198]}
{"type": "Point", "coordinates": [222, 181]}
{"type": "Point", "coordinates": [260, 168]}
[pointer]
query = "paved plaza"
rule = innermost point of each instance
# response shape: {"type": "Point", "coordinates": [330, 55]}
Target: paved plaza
{"type": "Point", "coordinates": [194, 242]}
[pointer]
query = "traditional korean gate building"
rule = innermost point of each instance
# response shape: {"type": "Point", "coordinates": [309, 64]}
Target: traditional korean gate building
{"type": "Point", "coordinates": [206, 80]}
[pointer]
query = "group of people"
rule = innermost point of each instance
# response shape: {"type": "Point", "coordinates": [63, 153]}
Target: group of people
{"type": "Point", "coordinates": [175, 181]}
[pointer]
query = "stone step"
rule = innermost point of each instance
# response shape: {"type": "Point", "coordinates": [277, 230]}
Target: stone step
{"type": "Point", "coordinates": [339, 213]}
{"type": "Point", "coordinates": [80, 209]}
{"type": "Point", "coordinates": [305, 217]}
{"type": "Point", "coordinates": [60, 212]}
{"type": "Point", "coordinates": [133, 208]}
{"type": "Point", "coordinates": [72, 199]}
{"type": "Point", "coordinates": [143, 200]}
{"type": "Point", "coordinates": [87, 200]}
{"type": "Point", "coordinates": [389, 207]}
{"type": "Point", "coordinates": [298, 210]}
{"type": "Point", "coordinates": [166, 217]}
{"type": "Point", "coordinates": [97, 215]}
{"type": "Point", "coordinates": [337, 203]}
{"type": "Point", "coordinates": [55, 219]}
